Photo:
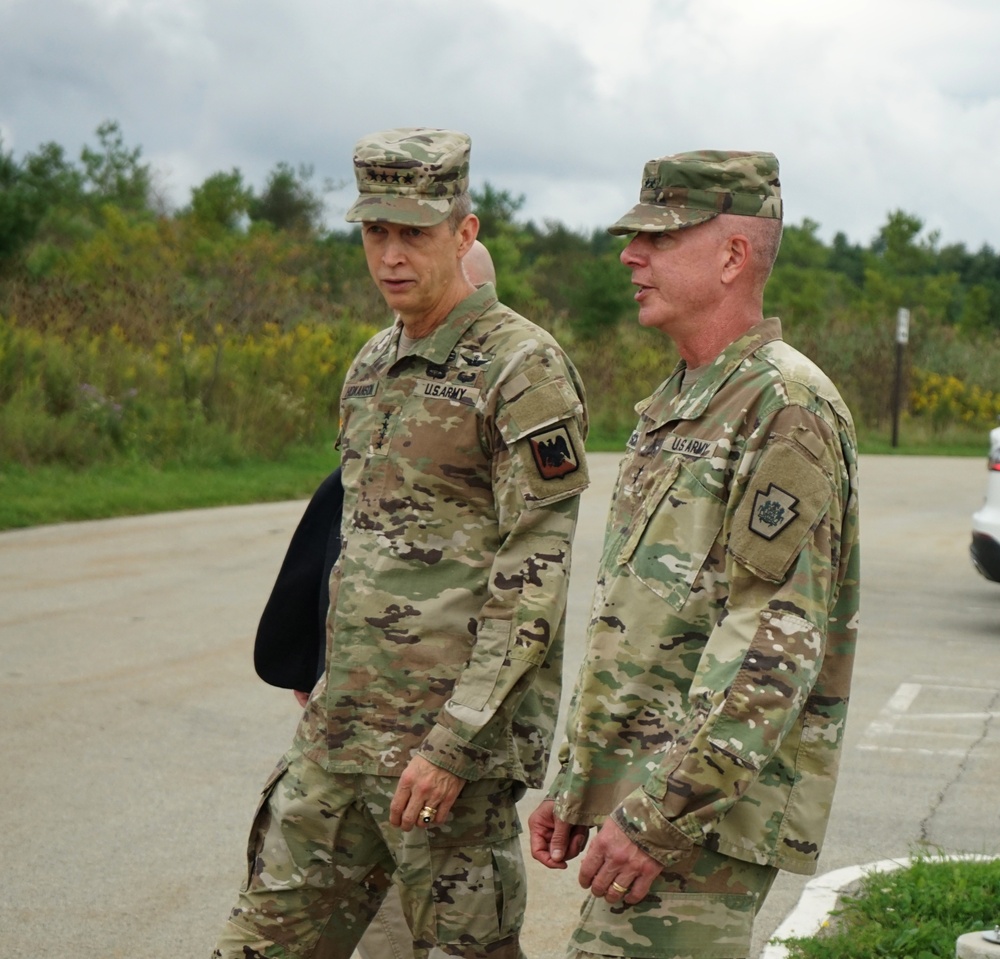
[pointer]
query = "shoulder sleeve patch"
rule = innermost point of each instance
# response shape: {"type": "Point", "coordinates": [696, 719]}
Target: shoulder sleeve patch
{"type": "Point", "coordinates": [554, 452]}
{"type": "Point", "coordinates": [785, 498]}
{"type": "Point", "coordinates": [552, 463]}
{"type": "Point", "coordinates": [543, 432]}
{"type": "Point", "coordinates": [539, 406]}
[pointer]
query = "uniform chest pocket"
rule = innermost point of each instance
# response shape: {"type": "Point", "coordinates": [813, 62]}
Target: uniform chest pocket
{"type": "Point", "coordinates": [672, 534]}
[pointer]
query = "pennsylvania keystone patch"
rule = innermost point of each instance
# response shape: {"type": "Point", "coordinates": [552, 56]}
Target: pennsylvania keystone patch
{"type": "Point", "coordinates": [773, 511]}
{"type": "Point", "coordinates": [769, 509]}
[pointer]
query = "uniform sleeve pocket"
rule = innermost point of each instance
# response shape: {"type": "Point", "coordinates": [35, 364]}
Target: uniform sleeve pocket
{"type": "Point", "coordinates": [542, 429]}
{"type": "Point", "coordinates": [479, 678]}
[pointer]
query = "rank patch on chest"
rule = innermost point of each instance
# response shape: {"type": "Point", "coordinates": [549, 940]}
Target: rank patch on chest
{"type": "Point", "coordinates": [773, 511]}
{"type": "Point", "coordinates": [554, 453]}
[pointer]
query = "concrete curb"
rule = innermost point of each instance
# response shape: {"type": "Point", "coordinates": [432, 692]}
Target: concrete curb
{"type": "Point", "coordinates": [820, 895]}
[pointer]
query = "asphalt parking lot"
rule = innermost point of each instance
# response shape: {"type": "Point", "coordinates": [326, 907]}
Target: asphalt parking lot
{"type": "Point", "coordinates": [135, 734]}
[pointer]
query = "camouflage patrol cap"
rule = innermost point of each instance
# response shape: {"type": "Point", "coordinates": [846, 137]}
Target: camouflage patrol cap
{"type": "Point", "coordinates": [410, 175]}
{"type": "Point", "coordinates": [688, 188]}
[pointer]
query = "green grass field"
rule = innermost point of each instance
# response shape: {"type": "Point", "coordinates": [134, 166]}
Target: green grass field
{"type": "Point", "coordinates": [914, 913]}
{"type": "Point", "coordinates": [54, 494]}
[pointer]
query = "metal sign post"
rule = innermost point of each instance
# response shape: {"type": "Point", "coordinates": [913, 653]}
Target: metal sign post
{"type": "Point", "coordinates": [902, 338]}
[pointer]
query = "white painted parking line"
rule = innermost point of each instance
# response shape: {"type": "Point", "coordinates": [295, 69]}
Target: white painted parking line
{"type": "Point", "coordinates": [897, 706]}
{"type": "Point", "coordinates": [917, 750]}
{"type": "Point", "coordinates": [898, 721]}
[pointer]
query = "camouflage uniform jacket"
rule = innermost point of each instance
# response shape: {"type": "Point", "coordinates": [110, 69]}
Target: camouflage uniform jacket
{"type": "Point", "coordinates": [462, 466]}
{"type": "Point", "coordinates": [710, 706]}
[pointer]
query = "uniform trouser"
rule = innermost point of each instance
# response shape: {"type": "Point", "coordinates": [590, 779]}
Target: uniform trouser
{"type": "Point", "coordinates": [388, 936]}
{"type": "Point", "coordinates": [703, 907]}
{"type": "Point", "coordinates": [322, 854]}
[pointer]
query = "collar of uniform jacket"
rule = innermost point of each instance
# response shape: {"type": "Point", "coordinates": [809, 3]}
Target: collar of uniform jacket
{"type": "Point", "coordinates": [671, 403]}
{"type": "Point", "coordinates": [437, 346]}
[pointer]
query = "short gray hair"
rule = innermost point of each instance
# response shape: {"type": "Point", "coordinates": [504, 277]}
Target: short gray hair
{"type": "Point", "coordinates": [764, 235]}
{"type": "Point", "coordinates": [460, 209]}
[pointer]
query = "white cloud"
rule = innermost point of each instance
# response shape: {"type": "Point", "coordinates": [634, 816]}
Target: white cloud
{"type": "Point", "coordinates": [871, 105]}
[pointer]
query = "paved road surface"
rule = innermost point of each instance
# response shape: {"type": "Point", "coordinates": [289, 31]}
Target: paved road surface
{"type": "Point", "coordinates": [135, 735]}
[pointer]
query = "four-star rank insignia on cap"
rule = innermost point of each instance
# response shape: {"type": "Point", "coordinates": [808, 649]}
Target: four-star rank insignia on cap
{"type": "Point", "coordinates": [554, 453]}
{"type": "Point", "coordinates": [773, 511]}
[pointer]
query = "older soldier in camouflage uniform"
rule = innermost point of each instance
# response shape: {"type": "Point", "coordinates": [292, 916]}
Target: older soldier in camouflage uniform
{"type": "Point", "coordinates": [708, 718]}
{"type": "Point", "coordinates": [462, 455]}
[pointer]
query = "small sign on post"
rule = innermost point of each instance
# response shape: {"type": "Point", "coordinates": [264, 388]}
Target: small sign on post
{"type": "Point", "coordinates": [902, 338]}
{"type": "Point", "coordinates": [903, 326]}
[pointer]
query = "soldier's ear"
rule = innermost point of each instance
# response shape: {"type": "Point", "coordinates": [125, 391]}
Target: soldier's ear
{"type": "Point", "coordinates": [736, 256]}
{"type": "Point", "coordinates": [467, 232]}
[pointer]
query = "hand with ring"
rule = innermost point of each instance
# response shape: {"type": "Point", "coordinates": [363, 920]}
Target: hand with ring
{"type": "Point", "coordinates": [611, 857]}
{"type": "Point", "coordinates": [424, 795]}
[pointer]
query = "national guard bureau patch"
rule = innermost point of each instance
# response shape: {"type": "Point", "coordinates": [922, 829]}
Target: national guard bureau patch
{"type": "Point", "coordinates": [773, 511]}
{"type": "Point", "coordinates": [554, 453]}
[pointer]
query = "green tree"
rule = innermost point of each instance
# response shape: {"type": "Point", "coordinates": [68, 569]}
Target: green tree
{"type": "Point", "coordinates": [289, 201]}
{"type": "Point", "coordinates": [802, 247]}
{"type": "Point", "coordinates": [17, 219]}
{"type": "Point", "coordinates": [847, 258]}
{"type": "Point", "coordinates": [53, 181]}
{"type": "Point", "coordinates": [113, 173]}
{"type": "Point", "coordinates": [599, 294]}
{"type": "Point", "coordinates": [976, 315]}
{"type": "Point", "coordinates": [899, 249]}
{"type": "Point", "coordinates": [496, 210]}
{"type": "Point", "coordinates": [43, 188]}
{"type": "Point", "coordinates": [221, 201]}
{"type": "Point", "coordinates": [803, 289]}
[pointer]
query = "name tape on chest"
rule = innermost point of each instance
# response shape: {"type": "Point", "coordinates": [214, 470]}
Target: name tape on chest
{"type": "Point", "coordinates": [455, 392]}
{"type": "Point", "coordinates": [360, 390]}
{"type": "Point", "coordinates": [690, 446]}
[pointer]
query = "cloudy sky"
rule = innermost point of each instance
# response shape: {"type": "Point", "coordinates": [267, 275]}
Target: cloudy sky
{"type": "Point", "coordinates": [870, 105]}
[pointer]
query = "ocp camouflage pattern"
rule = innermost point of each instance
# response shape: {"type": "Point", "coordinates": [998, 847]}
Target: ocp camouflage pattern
{"type": "Point", "coordinates": [711, 703]}
{"type": "Point", "coordinates": [322, 853]}
{"type": "Point", "coordinates": [409, 175]}
{"type": "Point", "coordinates": [702, 906]}
{"type": "Point", "coordinates": [462, 466]}
{"type": "Point", "coordinates": [684, 189]}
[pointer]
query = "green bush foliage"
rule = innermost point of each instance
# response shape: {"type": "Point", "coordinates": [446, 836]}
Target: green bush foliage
{"type": "Point", "coordinates": [222, 331]}
{"type": "Point", "coordinates": [914, 913]}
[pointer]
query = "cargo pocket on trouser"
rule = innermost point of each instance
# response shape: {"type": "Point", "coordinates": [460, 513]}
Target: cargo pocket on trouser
{"type": "Point", "coordinates": [700, 925]}
{"type": "Point", "coordinates": [463, 882]}
{"type": "Point", "coordinates": [479, 892]}
{"type": "Point", "coordinates": [261, 820]}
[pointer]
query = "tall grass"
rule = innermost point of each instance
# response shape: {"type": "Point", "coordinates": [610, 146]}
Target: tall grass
{"type": "Point", "coordinates": [913, 913]}
{"type": "Point", "coordinates": [82, 398]}
{"type": "Point", "coordinates": [85, 398]}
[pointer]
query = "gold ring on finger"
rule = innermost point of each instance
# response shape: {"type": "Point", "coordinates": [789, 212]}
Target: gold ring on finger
{"type": "Point", "coordinates": [619, 888]}
{"type": "Point", "coordinates": [428, 813]}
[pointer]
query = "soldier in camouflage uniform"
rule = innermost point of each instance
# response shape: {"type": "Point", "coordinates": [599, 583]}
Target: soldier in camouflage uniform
{"type": "Point", "coordinates": [462, 430]}
{"type": "Point", "coordinates": [708, 718]}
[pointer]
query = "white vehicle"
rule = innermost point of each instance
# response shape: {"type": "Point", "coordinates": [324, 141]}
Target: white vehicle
{"type": "Point", "coordinates": [985, 548]}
